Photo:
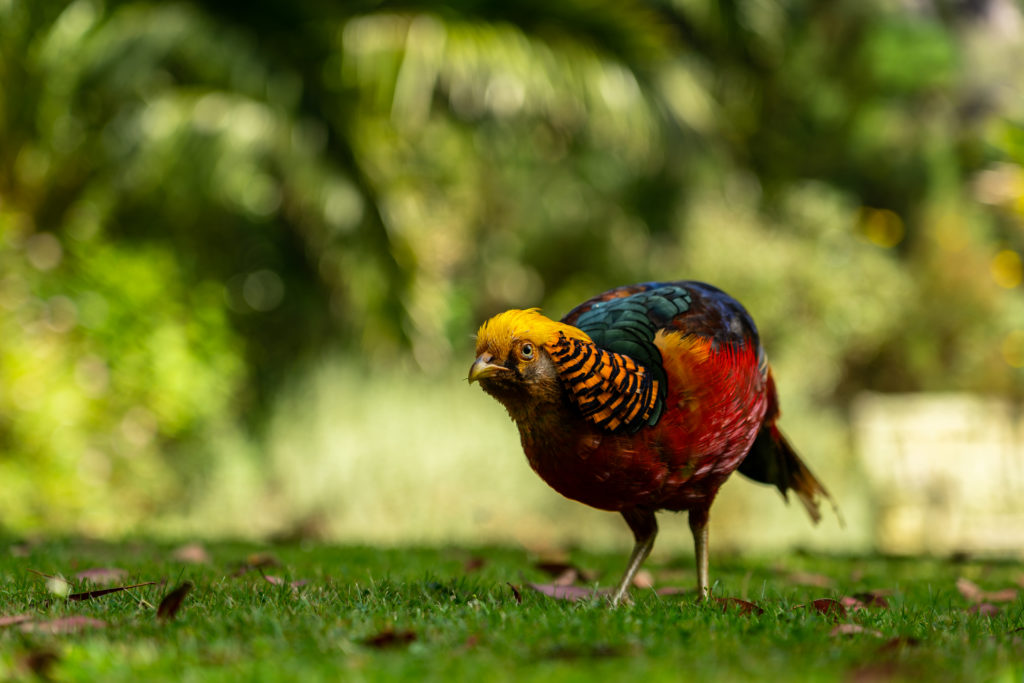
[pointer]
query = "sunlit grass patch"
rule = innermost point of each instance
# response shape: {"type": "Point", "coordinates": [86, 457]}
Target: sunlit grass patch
{"type": "Point", "coordinates": [311, 612]}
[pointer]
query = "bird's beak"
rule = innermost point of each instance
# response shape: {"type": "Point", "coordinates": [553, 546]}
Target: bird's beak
{"type": "Point", "coordinates": [483, 367]}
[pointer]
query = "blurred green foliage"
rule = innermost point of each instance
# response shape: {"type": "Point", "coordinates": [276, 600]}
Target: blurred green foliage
{"type": "Point", "coordinates": [200, 199]}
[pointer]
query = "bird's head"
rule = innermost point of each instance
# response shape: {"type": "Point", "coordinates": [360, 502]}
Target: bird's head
{"type": "Point", "coordinates": [512, 362]}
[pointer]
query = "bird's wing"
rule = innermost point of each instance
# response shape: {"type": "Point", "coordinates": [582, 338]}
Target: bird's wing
{"type": "Point", "coordinates": [625, 322]}
{"type": "Point", "coordinates": [621, 384]}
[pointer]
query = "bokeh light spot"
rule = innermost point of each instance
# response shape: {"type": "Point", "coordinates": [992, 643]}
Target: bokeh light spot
{"type": "Point", "coordinates": [263, 290]}
{"type": "Point", "coordinates": [43, 251]}
{"type": "Point", "coordinates": [1007, 269]}
{"type": "Point", "coordinates": [882, 227]}
{"type": "Point", "coordinates": [1013, 348]}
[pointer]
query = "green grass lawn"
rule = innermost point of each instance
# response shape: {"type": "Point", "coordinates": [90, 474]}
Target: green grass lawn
{"type": "Point", "coordinates": [360, 613]}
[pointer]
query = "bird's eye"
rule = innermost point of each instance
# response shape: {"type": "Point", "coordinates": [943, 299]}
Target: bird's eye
{"type": "Point", "coordinates": [526, 351]}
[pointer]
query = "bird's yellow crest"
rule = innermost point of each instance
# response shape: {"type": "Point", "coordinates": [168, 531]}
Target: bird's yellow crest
{"type": "Point", "coordinates": [500, 333]}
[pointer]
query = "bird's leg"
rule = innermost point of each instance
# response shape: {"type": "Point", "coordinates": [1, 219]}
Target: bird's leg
{"type": "Point", "coordinates": [699, 528]}
{"type": "Point", "coordinates": [645, 528]}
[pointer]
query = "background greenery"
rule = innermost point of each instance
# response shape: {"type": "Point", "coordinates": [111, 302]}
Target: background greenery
{"type": "Point", "coordinates": [218, 219]}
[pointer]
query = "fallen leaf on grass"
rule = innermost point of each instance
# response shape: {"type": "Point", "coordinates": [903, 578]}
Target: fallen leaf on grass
{"type": "Point", "coordinates": [390, 638]}
{"type": "Point", "coordinates": [516, 594]}
{"type": "Point", "coordinates": [865, 600]}
{"type": "Point", "coordinates": [570, 593]}
{"type": "Point", "coordinates": [101, 575]}
{"type": "Point", "coordinates": [565, 573]}
{"type": "Point", "coordinates": [192, 553]}
{"type": "Point", "coordinates": [70, 624]}
{"type": "Point", "coordinates": [826, 607]}
{"type": "Point", "coordinates": [474, 564]}
{"type": "Point", "coordinates": [15, 619]}
{"type": "Point", "coordinates": [810, 579]}
{"type": "Point", "coordinates": [852, 630]}
{"type": "Point", "coordinates": [89, 595]}
{"type": "Point", "coordinates": [743, 606]}
{"type": "Point", "coordinates": [985, 609]}
{"type": "Point", "coordinates": [975, 593]}
{"type": "Point", "coordinates": [172, 602]}
{"type": "Point", "coordinates": [278, 581]}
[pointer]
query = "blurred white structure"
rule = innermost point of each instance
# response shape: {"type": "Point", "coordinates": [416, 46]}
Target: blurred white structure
{"type": "Point", "coordinates": [946, 472]}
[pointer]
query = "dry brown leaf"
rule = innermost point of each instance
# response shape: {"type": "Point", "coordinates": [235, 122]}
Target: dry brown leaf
{"type": "Point", "coordinates": [745, 607]}
{"type": "Point", "coordinates": [172, 602]}
{"type": "Point", "coordinates": [810, 579]}
{"type": "Point", "coordinates": [570, 593]}
{"type": "Point", "coordinates": [1003, 595]}
{"type": "Point", "coordinates": [516, 593]}
{"type": "Point", "coordinates": [853, 629]}
{"type": "Point", "coordinates": [826, 607]}
{"type": "Point", "coordinates": [101, 575]}
{"type": "Point", "coordinates": [390, 638]}
{"type": "Point", "coordinates": [89, 595]}
{"type": "Point", "coordinates": [643, 579]}
{"type": "Point", "coordinates": [866, 599]}
{"type": "Point", "coordinates": [15, 619]}
{"type": "Point", "coordinates": [70, 624]}
{"type": "Point", "coordinates": [975, 593]}
{"type": "Point", "coordinates": [474, 564]}
{"type": "Point", "coordinates": [969, 589]}
{"type": "Point", "coordinates": [278, 581]}
{"type": "Point", "coordinates": [192, 553]}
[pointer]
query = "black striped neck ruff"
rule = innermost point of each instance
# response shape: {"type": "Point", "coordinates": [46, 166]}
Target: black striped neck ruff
{"type": "Point", "coordinates": [610, 389]}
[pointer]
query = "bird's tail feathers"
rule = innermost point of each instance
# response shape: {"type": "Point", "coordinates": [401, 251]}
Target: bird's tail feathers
{"type": "Point", "coordinates": [772, 460]}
